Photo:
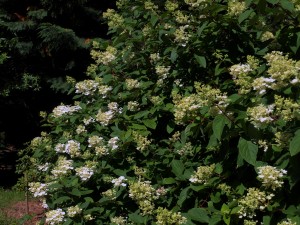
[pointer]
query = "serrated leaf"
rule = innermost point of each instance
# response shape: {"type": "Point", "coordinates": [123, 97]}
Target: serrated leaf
{"type": "Point", "coordinates": [76, 192]}
{"type": "Point", "coordinates": [201, 60]}
{"type": "Point", "coordinates": [295, 144]}
{"type": "Point", "coordinates": [170, 127]}
{"type": "Point", "coordinates": [150, 123]}
{"type": "Point", "coordinates": [177, 168]}
{"type": "Point", "coordinates": [169, 180]}
{"type": "Point", "coordinates": [136, 218]}
{"type": "Point", "coordinates": [248, 151]}
{"type": "Point", "coordinates": [287, 5]}
{"type": "Point", "coordinates": [183, 196]}
{"type": "Point", "coordinates": [174, 55]}
{"type": "Point", "coordinates": [198, 214]}
{"type": "Point", "coordinates": [266, 220]}
{"type": "Point", "coordinates": [141, 114]}
{"type": "Point", "coordinates": [61, 200]}
{"type": "Point", "coordinates": [138, 126]}
{"type": "Point", "coordinates": [200, 29]}
{"type": "Point", "coordinates": [243, 16]}
{"type": "Point", "coordinates": [218, 126]}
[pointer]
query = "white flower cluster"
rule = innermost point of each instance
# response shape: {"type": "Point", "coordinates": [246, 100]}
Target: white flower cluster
{"type": "Point", "coordinates": [261, 84]}
{"type": "Point", "coordinates": [88, 120]}
{"type": "Point", "coordinates": [44, 204]}
{"type": "Point", "coordinates": [63, 167]}
{"type": "Point", "coordinates": [112, 143]}
{"type": "Point", "coordinates": [113, 106]}
{"type": "Point", "coordinates": [104, 89]}
{"type": "Point", "coordinates": [105, 117]}
{"type": "Point", "coordinates": [203, 174]}
{"type": "Point", "coordinates": [154, 57]}
{"type": "Point", "coordinates": [254, 200]}
{"type": "Point", "coordinates": [195, 3]}
{"type": "Point", "coordinates": [44, 167]}
{"type": "Point", "coordinates": [271, 176]}
{"type": "Point", "coordinates": [54, 217]}
{"type": "Point", "coordinates": [162, 71]}
{"type": "Point", "coordinates": [84, 172]}
{"type": "Point", "coordinates": [38, 189]}
{"type": "Point", "coordinates": [81, 129]}
{"type": "Point", "coordinates": [282, 69]}
{"type": "Point", "coordinates": [239, 69]}
{"type": "Point", "coordinates": [132, 84]}
{"type": "Point", "coordinates": [260, 115]}
{"type": "Point", "coordinates": [236, 7]}
{"type": "Point", "coordinates": [105, 57]}
{"type": "Point", "coordinates": [95, 141]}
{"type": "Point", "coordinates": [182, 36]}
{"type": "Point", "coordinates": [86, 87]}
{"type": "Point", "coordinates": [72, 211]}
{"type": "Point", "coordinates": [119, 181]}
{"type": "Point", "coordinates": [133, 106]}
{"type": "Point", "coordinates": [64, 109]}
{"type": "Point", "coordinates": [119, 220]}
{"type": "Point", "coordinates": [71, 147]}
{"type": "Point", "coordinates": [287, 222]}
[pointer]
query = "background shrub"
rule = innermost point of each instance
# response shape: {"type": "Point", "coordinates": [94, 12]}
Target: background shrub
{"type": "Point", "coordinates": [190, 115]}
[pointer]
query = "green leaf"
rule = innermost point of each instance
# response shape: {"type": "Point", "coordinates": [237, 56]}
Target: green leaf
{"type": "Point", "coordinates": [174, 55]}
{"type": "Point", "coordinates": [183, 196]}
{"type": "Point", "coordinates": [61, 200]}
{"type": "Point", "coordinates": [150, 123]}
{"type": "Point", "coordinates": [287, 5]}
{"type": "Point", "coordinates": [141, 114]}
{"type": "Point", "coordinates": [177, 168]}
{"type": "Point", "coordinates": [201, 60]}
{"type": "Point", "coordinates": [138, 127]}
{"type": "Point", "coordinates": [248, 151]}
{"type": "Point", "coordinates": [170, 127]}
{"type": "Point", "coordinates": [295, 144]}
{"type": "Point", "coordinates": [218, 125]}
{"type": "Point", "coordinates": [243, 16]}
{"type": "Point", "coordinates": [169, 180]}
{"type": "Point", "coordinates": [266, 220]}
{"type": "Point", "coordinates": [198, 214]}
{"type": "Point", "coordinates": [153, 19]}
{"type": "Point", "coordinates": [200, 29]}
{"type": "Point", "coordinates": [137, 218]}
{"type": "Point", "coordinates": [76, 192]}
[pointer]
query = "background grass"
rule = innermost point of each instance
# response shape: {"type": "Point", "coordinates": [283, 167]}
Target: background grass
{"type": "Point", "coordinates": [7, 198]}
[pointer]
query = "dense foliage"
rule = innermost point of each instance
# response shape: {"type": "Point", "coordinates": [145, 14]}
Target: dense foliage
{"type": "Point", "coordinates": [190, 115]}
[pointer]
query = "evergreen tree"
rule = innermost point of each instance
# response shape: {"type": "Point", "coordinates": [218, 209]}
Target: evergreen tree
{"type": "Point", "coordinates": [44, 41]}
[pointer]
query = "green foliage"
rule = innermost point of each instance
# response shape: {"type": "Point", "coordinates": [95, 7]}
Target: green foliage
{"type": "Point", "coordinates": [190, 116]}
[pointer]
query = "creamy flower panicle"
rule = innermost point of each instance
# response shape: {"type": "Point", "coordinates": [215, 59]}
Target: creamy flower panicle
{"type": "Point", "coordinates": [72, 211]}
{"type": "Point", "coordinates": [55, 217]}
{"type": "Point", "coordinates": [119, 181]}
{"type": "Point", "coordinates": [38, 189]}
{"type": "Point", "coordinates": [260, 116]}
{"type": "Point", "coordinates": [165, 216]}
{"type": "Point", "coordinates": [253, 201]}
{"type": "Point", "coordinates": [65, 109]}
{"type": "Point", "coordinates": [271, 177]}
{"type": "Point", "coordinates": [84, 172]}
{"type": "Point", "coordinates": [203, 174]}
{"type": "Point", "coordinates": [86, 87]}
{"type": "Point", "coordinates": [112, 143]}
{"type": "Point", "coordinates": [63, 167]}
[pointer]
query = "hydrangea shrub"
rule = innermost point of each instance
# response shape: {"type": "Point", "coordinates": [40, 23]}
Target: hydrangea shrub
{"type": "Point", "coordinates": [189, 115]}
